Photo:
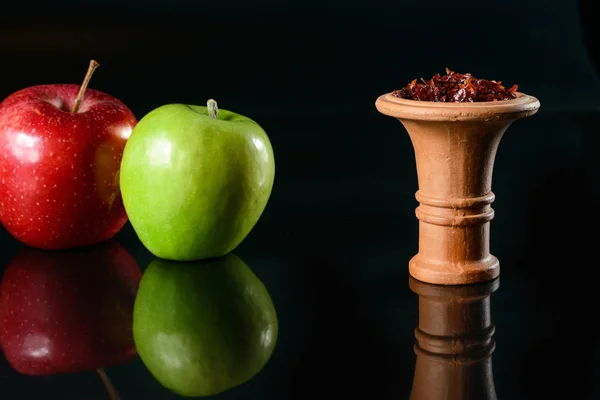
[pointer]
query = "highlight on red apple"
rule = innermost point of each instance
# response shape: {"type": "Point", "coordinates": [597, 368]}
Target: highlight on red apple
{"type": "Point", "coordinates": [60, 154]}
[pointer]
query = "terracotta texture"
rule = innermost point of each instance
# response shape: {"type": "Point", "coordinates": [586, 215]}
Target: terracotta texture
{"type": "Point", "coordinates": [455, 147]}
{"type": "Point", "coordinates": [454, 342]}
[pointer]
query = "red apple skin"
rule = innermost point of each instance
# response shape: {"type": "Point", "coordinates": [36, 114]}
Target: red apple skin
{"type": "Point", "coordinates": [68, 311]}
{"type": "Point", "coordinates": [59, 181]}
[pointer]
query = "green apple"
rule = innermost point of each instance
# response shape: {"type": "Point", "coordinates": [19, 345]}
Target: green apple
{"type": "Point", "coordinates": [195, 180]}
{"type": "Point", "coordinates": [203, 327]}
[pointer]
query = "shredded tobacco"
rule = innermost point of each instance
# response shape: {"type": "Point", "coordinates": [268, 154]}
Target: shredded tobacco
{"type": "Point", "coordinates": [457, 88]}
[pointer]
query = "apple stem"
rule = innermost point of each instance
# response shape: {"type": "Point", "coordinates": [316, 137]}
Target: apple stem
{"type": "Point", "coordinates": [112, 393]}
{"type": "Point", "coordinates": [93, 65]}
{"type": "Point", "coordinates": [213, 110]}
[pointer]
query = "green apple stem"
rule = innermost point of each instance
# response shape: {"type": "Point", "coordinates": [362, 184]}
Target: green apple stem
{"type": "Point", "coordinates": [93, 65]}
{"type": "Point", "coordinates": [213, 110]}
{"type": "Point", "coordinates": [112, 393]}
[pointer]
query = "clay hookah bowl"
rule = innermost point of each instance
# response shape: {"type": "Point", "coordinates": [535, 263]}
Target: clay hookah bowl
{"type": "Point", "coordinates": [455, 146]}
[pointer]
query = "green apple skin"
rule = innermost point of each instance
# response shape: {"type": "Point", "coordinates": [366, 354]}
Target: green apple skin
{"type": "Point", "coordinates": [194, 186]}
{"type": "Point", "coordinates": [203, 327]}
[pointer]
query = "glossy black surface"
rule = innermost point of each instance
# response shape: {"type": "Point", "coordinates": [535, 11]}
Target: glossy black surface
{"type": "Point", "coordinates": [333, 245]}
{"type": "Point", "coordinates": [334, 259]}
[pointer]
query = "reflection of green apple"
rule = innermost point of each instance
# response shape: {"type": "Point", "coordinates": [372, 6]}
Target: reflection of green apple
{"type": "Point", "coordinates": [203, 327]}
{"type": "Point", "coordinates": [195, 180]}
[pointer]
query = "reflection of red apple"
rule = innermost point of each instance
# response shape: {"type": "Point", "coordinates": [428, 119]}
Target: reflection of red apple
{"type": "Point", "coordinates": [68, 311]}
{"type": "Point", "coordinates": [59, 162]}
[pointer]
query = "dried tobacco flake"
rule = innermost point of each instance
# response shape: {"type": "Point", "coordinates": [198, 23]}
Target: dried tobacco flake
{"type": "Point", "coordinates": [456, 88]}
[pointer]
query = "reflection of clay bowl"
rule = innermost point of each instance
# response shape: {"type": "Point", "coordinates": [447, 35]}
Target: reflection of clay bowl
{"type": "Point", "coordinates": [454, 342]}
{"type": "Point", "coordinates": [448, 294]}
{"type": "Point", "coordinates": [455, 146]}
{"type": "Point", "coordinates": [455, 320]}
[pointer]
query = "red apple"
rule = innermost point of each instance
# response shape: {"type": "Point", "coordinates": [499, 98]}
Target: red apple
{"type": "Point", "coordinates": [60, 154]}
{"type": "Point", "coordinates": [68, 311]}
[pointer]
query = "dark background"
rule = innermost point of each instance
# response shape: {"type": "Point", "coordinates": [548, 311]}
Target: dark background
{"type": "Point", "coordinates": [335, 240]}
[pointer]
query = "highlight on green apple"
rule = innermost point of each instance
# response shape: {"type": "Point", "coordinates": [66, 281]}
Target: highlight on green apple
{"type": "Point", "coordinates": [195, 180]}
